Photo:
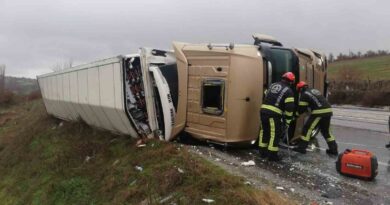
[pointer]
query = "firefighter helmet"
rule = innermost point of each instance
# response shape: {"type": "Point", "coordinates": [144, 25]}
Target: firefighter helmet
{"type": "Point", "coordinates": [301, 84]}
{"type": "Point", "coordinates": [289, 76]}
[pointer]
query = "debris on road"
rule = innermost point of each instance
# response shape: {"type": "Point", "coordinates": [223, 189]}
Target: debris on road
{"type": "Point", "coordinates": [248, 163]}
{"type": "Point", "coordinates": [139, 168]}
{"type": "Point", "coordinates": [87, 159]}
{"type": "Point", "coordinates": [140, 143]}
{"type": "Point", "coordinates": [115, 162]}
{"type": "Point", "coordinates": [166, 199]}
{"type": "Point", "coordinates": [181, 171]}
{"type": "Point", "coordinates": [280, 188]}
{"type": "Point", "coordinates": [133, 183]}
{"type": "Point", "coordinates": [209, 201]}
{"type": "Point", "coordinates": [248, 183]}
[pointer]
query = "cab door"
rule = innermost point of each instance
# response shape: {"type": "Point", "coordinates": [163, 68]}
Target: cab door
{"type": "Point", "coordinates": [157, 94]}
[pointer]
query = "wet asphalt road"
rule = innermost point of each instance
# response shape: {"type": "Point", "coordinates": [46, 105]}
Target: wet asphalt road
{"type": "Point", "coordinates": [355, 128]}
{"type": "Point", "coordinates": [366, 129]}
{"type": "Point", "coordinates": [353, 138]}
{"type": "Point", "coordinates": [362, 118]}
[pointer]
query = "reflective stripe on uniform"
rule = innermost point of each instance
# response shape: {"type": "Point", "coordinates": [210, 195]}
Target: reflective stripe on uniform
{"type": "Point", "coordinates": [303, 103]}
{"type": "Point", "coordinates": [312, 126]}
{"type": "Point", "coordinates": [289, 99]}
{"type": "Point", "coordinates": [272, 108]}
{"type": "Point", "coordinates": [261, 144]}
{"type": "Point", "coordinates": [271, 146]}
{"type": "Point", "coordinates": [331, 138]}
{"type": "Point", "coordinates": [321, 111]}
{"type": "Point", "coordinates": [288, 114]}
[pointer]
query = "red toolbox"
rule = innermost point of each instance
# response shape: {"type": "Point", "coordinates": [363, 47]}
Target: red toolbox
{"type": "Point", "coordinates": [357, 163]}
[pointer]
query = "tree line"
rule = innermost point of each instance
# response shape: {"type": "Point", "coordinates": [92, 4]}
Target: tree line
{"type": "Point", "coordinates": [353, 55]}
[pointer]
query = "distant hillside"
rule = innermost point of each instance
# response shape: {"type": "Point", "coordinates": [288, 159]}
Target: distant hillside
{"type": "Point", "coordinates": [21, 86]}
{"type": "Point", "coordinates": [374, 68]}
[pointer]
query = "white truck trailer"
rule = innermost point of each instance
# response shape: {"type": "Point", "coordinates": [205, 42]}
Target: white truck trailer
{"type": "Point", "coordinates": [124, 94]}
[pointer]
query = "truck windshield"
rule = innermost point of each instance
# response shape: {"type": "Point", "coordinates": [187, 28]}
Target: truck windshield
{"type": "Point", "coordinates": [282, 61]}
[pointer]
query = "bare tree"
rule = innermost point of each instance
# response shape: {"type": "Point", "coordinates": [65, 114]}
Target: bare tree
{"type": "Point", "coordinates": [331, 58]}
{"type": "Point", "coordinates": [65, 64]}
{"type": "Point", "coordinates": [2, 80]}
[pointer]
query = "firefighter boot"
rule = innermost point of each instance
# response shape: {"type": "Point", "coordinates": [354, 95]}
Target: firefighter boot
{"type": "Point", "coordinates": [332, 148]}
{"type": "Point", "coordinates": [302, 145]}
{"type": "Point", "coordinates": [263, 153]}
{"type": "Point", "coordinates": [274, 157]}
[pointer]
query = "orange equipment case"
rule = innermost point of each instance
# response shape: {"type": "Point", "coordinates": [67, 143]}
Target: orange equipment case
{"type": "Point", "coordinates": [357, 163]}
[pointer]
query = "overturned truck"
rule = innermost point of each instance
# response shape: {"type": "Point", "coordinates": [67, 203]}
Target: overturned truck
{"type": "Point", "coordinates": [211, 91]}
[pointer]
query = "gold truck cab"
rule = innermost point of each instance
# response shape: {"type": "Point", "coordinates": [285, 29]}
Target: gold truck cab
{"type": "Point", "coordinates": [220, 91]}
{"type": "Point", "coordinates": [221, 87]}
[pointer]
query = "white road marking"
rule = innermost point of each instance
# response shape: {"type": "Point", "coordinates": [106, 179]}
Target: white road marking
{"type": "Point", "coordinates": [363, 145]}
{"type": "Point", "coordinates": [383, 163]}
{"type": "Point", "coordinates": [351, 118]}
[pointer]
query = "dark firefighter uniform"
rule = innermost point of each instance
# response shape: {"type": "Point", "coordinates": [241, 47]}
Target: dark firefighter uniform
{"type": "Point", "coordinates": [278, 101]}
{"type": "Point", "coordinates": [321, 113]}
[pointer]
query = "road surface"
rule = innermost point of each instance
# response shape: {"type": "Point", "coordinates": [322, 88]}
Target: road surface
{"type": "Point", "coordinates": [313, 177]}
{"type": "Point", "coordinates": [362, 118]}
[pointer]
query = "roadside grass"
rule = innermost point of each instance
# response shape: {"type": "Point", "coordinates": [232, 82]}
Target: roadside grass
{"type": "Point", "coordinates": [46, 161]}
{"type": "Point", "coordinates": [374, 68]}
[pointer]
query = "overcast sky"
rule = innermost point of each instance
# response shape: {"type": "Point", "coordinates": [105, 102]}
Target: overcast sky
{"type": "Point", "coordinates": [36, 34]}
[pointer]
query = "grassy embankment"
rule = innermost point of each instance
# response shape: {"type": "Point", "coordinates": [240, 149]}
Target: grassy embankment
{"type": "Point", "coordinates": [43, 161]}
{"type": "Point", "coordinates": [374, 68]}
{"type": "Point", "coordinates": [363, 81]}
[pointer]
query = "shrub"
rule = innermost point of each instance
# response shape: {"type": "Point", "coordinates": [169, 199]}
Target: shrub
{"type": "Point", "coordinates": [7, 98]}
{"type": "Point", "coordinates": [34, 95]}
{"type": "Point", "coordinates": [376, 99]}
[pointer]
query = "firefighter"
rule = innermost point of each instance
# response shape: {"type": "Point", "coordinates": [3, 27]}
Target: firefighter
{"type": "Point", "coordinates": [278, 103]}
{"type": "Point", "coordinates": [321, 113]}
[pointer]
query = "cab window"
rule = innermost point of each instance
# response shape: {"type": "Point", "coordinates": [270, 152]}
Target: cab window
{"type": "Point", "coordinates": [213, 96]}
{"type": "Point", "coordinates": [282, 62]}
